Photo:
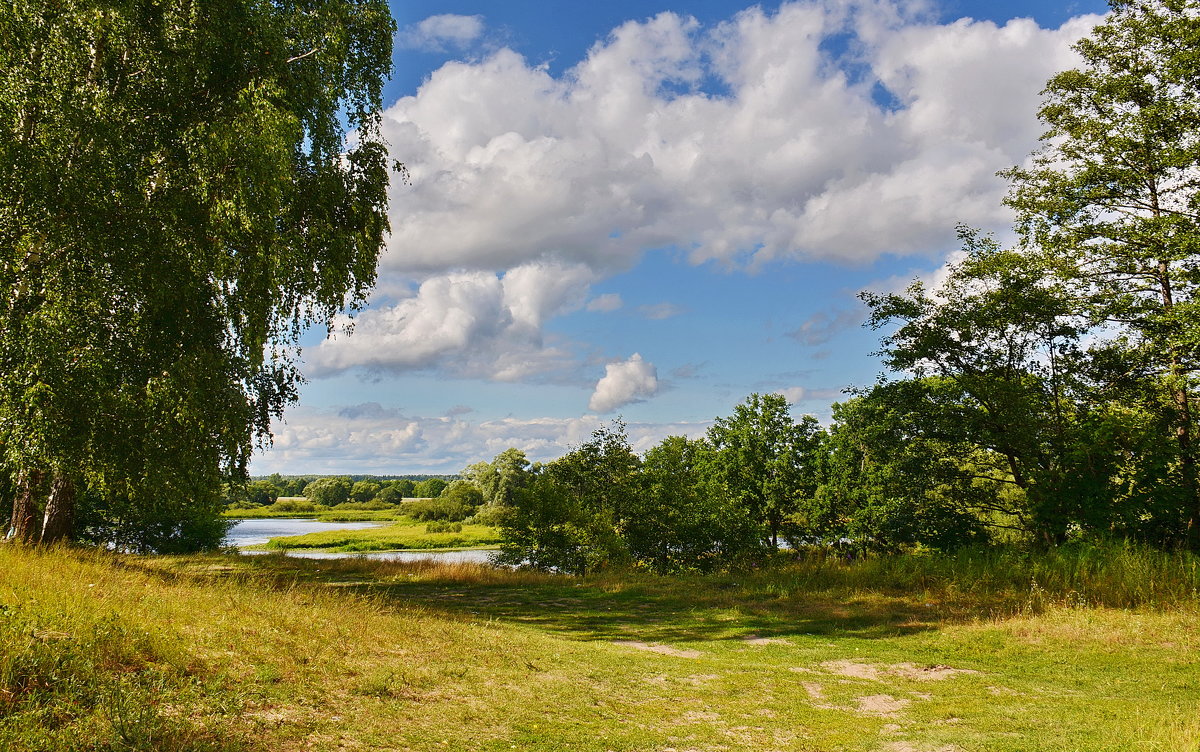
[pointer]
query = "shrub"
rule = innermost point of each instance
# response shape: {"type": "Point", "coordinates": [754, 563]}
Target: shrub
{"type": "Point", "coordinates": [437, 509]}
{"type": "Point", "coordinates": [489, 514]}
{"type": "Point", "coordinates": [328, 491]}
{"type": "Point", "coordinates": [389, 496]}
{"type": "Point", "coordinates": [430, 488]}
{"type": "Point", "coordinates": [292, 505]}
{"type": "Point", "coordinates": [373, 504]}
{"type": "Point", "coordinates": [444, 527]}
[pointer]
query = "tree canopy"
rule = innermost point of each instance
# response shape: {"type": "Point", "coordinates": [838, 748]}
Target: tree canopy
{"type": "Point", "coordinates": [179, 200]}
{"type": "Point", "coordinates": [1111, 206]}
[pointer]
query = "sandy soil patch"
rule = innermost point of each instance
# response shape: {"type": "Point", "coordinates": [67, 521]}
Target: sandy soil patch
{"type": "Point", "coordinates": [853, 669]}
{"type": "Point", "coordinates": [756, 640]}
{"type": "Point", "coordinates": [661, 649]}
{"type": "Point", "coordinates": [910, 747]}
{"type": "Point", "coordinates": [884, 705]}
{"type": "Point", "coordinates": [926, 673]}
{"type": "Point", "coordinates": [876, 672]}
{"type": "Point", "coordinates": [814, 690]}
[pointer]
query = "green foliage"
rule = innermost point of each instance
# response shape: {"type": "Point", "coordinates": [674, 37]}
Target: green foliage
{"type": "Point", "coordinates": [444, 527]}
{"type": "Point", "coordinates": [261, 493]}
{"type": "Point", "coordinates": [500, 479]}
{"type": "Point", "coordinates": [453, 510]}
{"type": "Point", "coordinates": [364, 490]}
{"type": "Point", "coordinates": [462, 492]}
{"type": "Point", "coordinates": [570, 516]}
{"type": "Point", "coordinates": [405, 487]}
{"type": "Point", "coordinates": [684, 519]}
{"type": "Point", "coordinates": [178, 203]}
{"type": "Point", "coordinates": [430, 488]}
{"type": "Point", "coordinates": [891, 480]}
{"type": "Point", "coordinates": [490, 514]}
{"type": "Point", "coordinates": [1109, 209]}
{"type": "Point", "coordinates": [171, 520]}
{"type": "Point", "coordinates": [389, 495]}
{"type": "Point", "coordinates": [766, 460]}
{"type": "Point", "coordinates": [1016, 419]}
{"type": "Point", "coordinates": [290, 486]}
{"type": "Point", "coordinates": [600, 506]}
{"type": "Point", "coordinates": [295, 505]}
{"type": "Point", "coordinates": [328, 492]}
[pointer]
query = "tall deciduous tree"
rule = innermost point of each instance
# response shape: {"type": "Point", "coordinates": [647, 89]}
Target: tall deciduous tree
{"type": "Point", "coordinates": [683, 518]}
{"type": "Point", "coordinates": [571, 515]}
{"type": "Point", "coordinates": [178, 202]}
{"type": "Point", "coordinates": [1113, 201]}
{"type": "Point", "coordinates": [1004, 344]}
{"type": "Point", "coordinates": [500, 479]}
{"type": "Point", "coordinates": [894, 476]}
{"type": "Point", "coordinates": [766, 459]}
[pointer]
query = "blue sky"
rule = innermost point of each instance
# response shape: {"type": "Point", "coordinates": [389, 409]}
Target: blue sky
{"type": "Point", "coordinates": [654, 210]}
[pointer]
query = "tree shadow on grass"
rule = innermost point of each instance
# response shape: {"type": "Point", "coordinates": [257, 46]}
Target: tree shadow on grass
{"type": "Point", "coordinates": [633, 607]}
{"type": "Point", "coordinates": [669, 615]}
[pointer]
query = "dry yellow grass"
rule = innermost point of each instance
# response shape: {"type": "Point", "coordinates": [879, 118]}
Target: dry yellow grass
{"type": "Point", "coordinates": [281, 654]}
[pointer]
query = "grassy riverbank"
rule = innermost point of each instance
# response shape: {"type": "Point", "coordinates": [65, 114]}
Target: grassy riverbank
{"type": "Point", "coordinates": [1091, 650]}
{"type": "Point", "coordinates": [408, 534]}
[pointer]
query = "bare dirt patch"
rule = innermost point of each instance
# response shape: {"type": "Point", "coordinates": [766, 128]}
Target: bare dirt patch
{"type": "Point", "coordinates": [876, 672]}
{"type": "Point", "coordinates": [814, 690]}
{"type": "Point", "coordinates": [756, 640]}
{"type": "Point", "coordinates": [910, 747]}
{"type": "Point", "coordinates": [926, 673]}
{"type": "Point", "coordinates": [661, 649]}
{"type": "Point", "coordinates": [883, 705]}
{"type": "Point", "coordinates": [853, 669]}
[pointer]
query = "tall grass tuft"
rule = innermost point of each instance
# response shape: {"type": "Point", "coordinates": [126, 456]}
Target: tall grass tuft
{"type": "Point", "coordinates": [1112, 574]}
{"type": "Point", "coordinates": [77, 678]}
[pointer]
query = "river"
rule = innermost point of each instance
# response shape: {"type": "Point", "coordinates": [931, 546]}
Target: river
{"type": "Point", "coordinates": [257, 532]}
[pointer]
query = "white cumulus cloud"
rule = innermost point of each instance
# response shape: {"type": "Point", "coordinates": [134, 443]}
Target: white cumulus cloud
{"type": "Point", "coordinates": [624, 382]}
{"type": "Point", "coordinates": [435, 33]}
{"type": "Point", "coordinates": [370, 438]}
{"type": "Point", "coordinates": [827, 129]}
{"type": "Point", "coordinates": [467, 323]}
{"type": "Point", "coordinates": [796, 152]}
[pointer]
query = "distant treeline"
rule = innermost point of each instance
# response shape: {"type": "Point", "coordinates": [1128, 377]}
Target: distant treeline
{"type": "Point", "coordinates": [335, 490]}
{"type": "Point", "coordinates": [276, 477]}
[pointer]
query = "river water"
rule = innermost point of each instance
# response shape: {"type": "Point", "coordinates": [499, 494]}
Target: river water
{"type": "Point", "coordinates": [256, 532]}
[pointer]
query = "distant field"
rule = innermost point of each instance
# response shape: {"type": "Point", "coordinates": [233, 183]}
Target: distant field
{"type": "Point", "coordinates": [1096, 652]}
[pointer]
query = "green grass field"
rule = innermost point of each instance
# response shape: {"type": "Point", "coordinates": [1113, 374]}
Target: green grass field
{"type": "Point", "coordinates": [405, 534]}
{"type": "Point", "coordinates": [272, 653]}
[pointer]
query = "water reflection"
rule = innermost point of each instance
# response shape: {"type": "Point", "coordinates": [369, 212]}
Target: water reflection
{"type": "Point", "coordinates": [257, 532]}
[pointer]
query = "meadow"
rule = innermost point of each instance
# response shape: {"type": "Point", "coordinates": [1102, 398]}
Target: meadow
{"type": "Point", "coordinates": [1083, 649]}
{"type": "Point", "coordinates": [406, 533]}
